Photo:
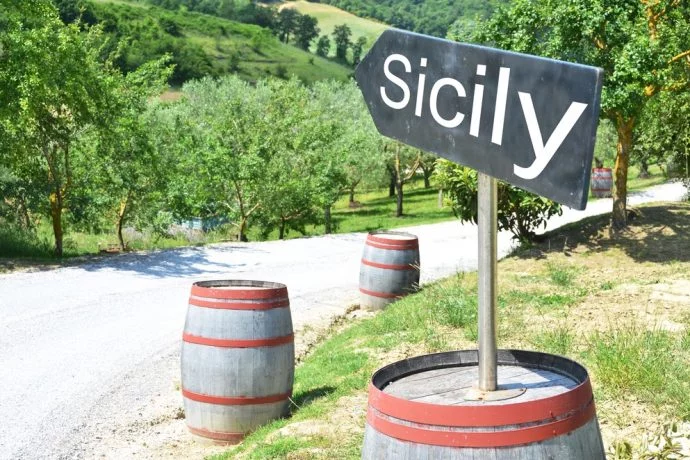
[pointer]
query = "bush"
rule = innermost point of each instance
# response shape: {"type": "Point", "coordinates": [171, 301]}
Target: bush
{"type": "Point", "coordinates": [519, 211]}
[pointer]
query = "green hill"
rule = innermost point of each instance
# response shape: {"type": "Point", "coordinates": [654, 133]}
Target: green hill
{"type": "Point", "coordinates": [330, 16]}
{"type": "Point", "coordinates": [432, 17]}
{"type": "Point", "coordinates": [203, 45]}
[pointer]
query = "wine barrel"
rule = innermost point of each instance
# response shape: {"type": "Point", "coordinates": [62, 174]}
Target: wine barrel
{"type": "Point", "coordinates": [389, 269]}
{"type": "Point", "coordinates": [602, 182]}
{"type": "Point", "coordinates": [238, 357]}
{"type": "Point", "coordinates": [417, 409]}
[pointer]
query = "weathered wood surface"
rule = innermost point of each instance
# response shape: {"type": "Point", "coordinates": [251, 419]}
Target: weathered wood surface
{"type": "Point", "coordinates": [237, 365]}
{"type": "Point", "coordinates": [581, 444]}
{"type": "Point", "coordinates": [400, 423]}
{"type": "Point", "coordinates": [388, 270]}
{"type": "Point", "coordinates": [449, 386]}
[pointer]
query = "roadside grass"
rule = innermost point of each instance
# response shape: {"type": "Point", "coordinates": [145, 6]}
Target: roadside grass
{"type": "Point", "coordinates": [626, 317]}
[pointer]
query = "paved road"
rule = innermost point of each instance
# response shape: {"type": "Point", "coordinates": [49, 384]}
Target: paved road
{"type": "Point", "coordinates": [80, 347]}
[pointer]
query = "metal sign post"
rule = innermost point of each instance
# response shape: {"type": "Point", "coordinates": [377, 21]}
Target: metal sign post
{"type": "Point", "coordinates": [487, 196]}
{"type": "Point", "coordinates": [524, 119]}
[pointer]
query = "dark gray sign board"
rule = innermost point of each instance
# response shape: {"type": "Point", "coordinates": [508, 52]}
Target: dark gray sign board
{"type": "Point", "coordinates": [527, 120]}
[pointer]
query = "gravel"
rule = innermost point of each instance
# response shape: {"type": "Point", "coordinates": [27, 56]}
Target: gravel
{"type": "Point", "coordinates": [90, 353]}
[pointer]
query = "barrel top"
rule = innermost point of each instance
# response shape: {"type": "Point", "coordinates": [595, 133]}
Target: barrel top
{"type": "Point", "coordinates": [239, 289]}
{"type": "Point", "coordinates": [392, 236]}
{"type": "Point", "coordinates": [450, 386]}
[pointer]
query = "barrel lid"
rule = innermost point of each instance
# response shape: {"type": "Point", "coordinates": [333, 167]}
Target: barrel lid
{"type": "Point", "coordinates": [239, 289]}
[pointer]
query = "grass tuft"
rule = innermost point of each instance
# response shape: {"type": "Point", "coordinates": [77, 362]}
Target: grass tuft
{"type": "Point", "coordinates": [649, 364]}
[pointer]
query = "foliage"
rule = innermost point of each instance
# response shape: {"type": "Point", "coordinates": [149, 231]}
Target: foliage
{"type": "Point", "coordinates": [341, 38]}
{"type": "Point", "coordinates": [519, 211]}
{"type": "Point", "coordinates": [431, 17]}
{"type": "Point", "coordinates": [65, 89]}
{"type": "Point", "coordinates": [323, 46]}
{"type": "Point", "coordinates": [642, 46]}
{"type": "Point", "coordinates": [198, 44]}
{"type": "Point", "coordinates": [663, 136]}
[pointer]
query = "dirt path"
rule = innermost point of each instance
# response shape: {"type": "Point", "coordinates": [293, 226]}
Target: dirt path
{"type": "Point", "coordinates": [90, 354]}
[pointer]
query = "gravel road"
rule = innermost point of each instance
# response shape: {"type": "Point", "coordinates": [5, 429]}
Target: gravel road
{"type": "Point", "coordinates": [86, 351]}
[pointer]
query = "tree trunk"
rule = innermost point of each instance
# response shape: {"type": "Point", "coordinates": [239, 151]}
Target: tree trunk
{"type": "Point", "coordinates": [392, 186]}
{"type": "Point", "coordinates": [625, 132]}
{"type": "Point", "coordinates": [120, 221]}
{"type": "Point", "coordinates": [327, 220]}
{"type": "Point", "coordinates": [56, 216]}
{"type": "Point", "coordinates": [23, 215]}
{"type": "Point", "coordinates": [241, 231]}
{"type": "Point", "coordinates": [281, 230]}
{"type": "Point", "coordinates": [644, 169]}
{"type": "Point", "coordinates": [427, 184]}
{"type": "Point", "coordinates": [399, 191]}
{"type": "Point", "coordinates": [352, 196]}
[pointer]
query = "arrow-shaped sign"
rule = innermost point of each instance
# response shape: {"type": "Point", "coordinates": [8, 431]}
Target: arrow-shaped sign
{"type": "Point", "coordinates": [527, 120]}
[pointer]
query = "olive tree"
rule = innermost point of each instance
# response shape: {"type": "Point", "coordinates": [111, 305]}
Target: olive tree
{"type": "Point", "coordinates": [55, 88]}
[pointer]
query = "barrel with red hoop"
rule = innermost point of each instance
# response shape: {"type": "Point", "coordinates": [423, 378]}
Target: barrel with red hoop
{"type": "Point", "coordinates": [426, 407]}
{"type": "Point", "coordinates": [389, 269]}
{"type": "Point", "coordinates": [237, 357]}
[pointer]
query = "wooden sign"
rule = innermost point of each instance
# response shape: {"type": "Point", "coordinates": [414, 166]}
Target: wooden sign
{"type": "Point", "coordinates": [527, 120]}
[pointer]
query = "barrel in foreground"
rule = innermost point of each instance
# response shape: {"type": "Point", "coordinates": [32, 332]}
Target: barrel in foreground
{"type": "Point", "coordinates": [237, 357]}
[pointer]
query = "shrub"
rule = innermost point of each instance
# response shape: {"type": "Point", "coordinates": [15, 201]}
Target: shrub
{"type": "Point", "coordinates": [519, 211]}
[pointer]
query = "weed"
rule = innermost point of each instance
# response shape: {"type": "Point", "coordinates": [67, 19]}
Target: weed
{"type": "Point", "coordinates": [561, 275]}
{"type": "Point", "coordinates": [650, 364]}
{"type": "Point", "coordinates": [558, 340]}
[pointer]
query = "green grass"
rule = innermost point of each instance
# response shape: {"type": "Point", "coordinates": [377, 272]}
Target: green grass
{"type": "Point", "coordinates": [331, 16]}
{"type": "Point", "coordinates": [652, 365]}
{"type": "Point", "coordinates": [640, 373]}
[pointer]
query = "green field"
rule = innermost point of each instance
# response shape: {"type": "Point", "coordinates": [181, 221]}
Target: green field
{"type": "Point", "coordinates": [248, 50]}
{"type": "Point", "coordinates": [330, 16]}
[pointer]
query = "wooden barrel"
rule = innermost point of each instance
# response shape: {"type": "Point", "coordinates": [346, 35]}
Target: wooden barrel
{"type": "Point", "coordinates": [389, 269]}
{"type": "Point", "coordinates": [602, 182]}
{"type": "Point", "coordinates": [238, 357]}
{"type": "Point", "coordinates": [417, 409]}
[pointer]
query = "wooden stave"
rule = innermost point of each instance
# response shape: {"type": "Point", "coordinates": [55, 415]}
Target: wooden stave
{"type": "Point", "coordinates": [264, 336]}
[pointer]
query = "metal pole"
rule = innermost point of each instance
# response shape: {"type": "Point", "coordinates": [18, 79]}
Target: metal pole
{"type": "Point", "coordinates": [487, 222]}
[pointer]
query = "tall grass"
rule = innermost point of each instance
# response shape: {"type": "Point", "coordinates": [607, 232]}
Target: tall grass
{"type": "Point", "coordinates": [15, 242]}
{"type": "Point", "coordinates": [654, 365]}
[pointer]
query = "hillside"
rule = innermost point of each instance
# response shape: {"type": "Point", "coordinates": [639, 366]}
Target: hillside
{"type": "Point", "coordinates": [329, 16]}
{"type": "Point", "coordinates": [203, 45]}
{"type": "Point", "coordinates": [431, 17]}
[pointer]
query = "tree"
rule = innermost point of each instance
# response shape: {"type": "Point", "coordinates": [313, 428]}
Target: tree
{"type": "Point", "coordinates": [663, 136]}
{"type": "Point", "coordinates": [225, 141]}
{"type": "Point", "coordinates": [427, 163]}
{"type": "Point", "coordinates": [357, 49]}
{"type": "Point", "coordinates": [286, 23]}
{"type": "Point", "coordinates": [348, 143]}
{"type": "Point", "coordinates": [62, 89]}
{"type": "Point", "coordinates": [125, 165]}
{"type": "Point", "coordinates": [323, 46]}
{"type": "Point", "coordinates": [306, 30]}
{"type": "Point", "coordinates": [341, 37]}
{"type": "Point", "coordinates": [642, 45]}
{"type": "Point", "coordinates": [519, 212]}
{"type": "Point", "coordinates": [402, 165]}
